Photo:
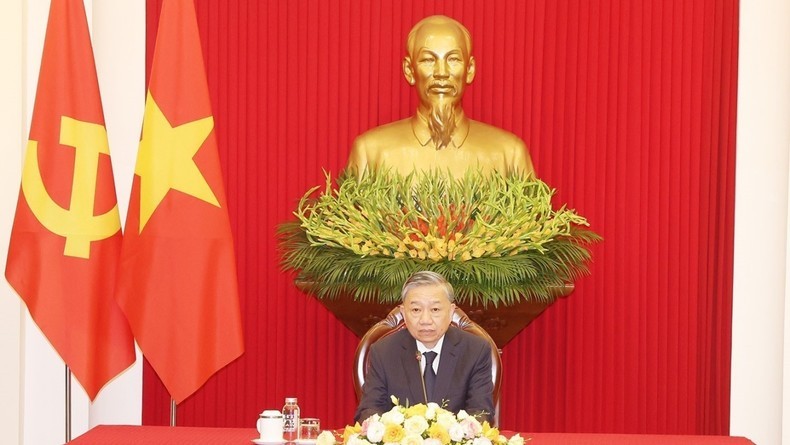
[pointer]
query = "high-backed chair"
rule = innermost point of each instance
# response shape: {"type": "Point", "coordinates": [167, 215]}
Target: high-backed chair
{"type": "Point", "coordinates": [394, 323]}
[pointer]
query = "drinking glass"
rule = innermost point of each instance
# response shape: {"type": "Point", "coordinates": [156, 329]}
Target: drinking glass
{"type": "Point", "coordinates": [309, 428]}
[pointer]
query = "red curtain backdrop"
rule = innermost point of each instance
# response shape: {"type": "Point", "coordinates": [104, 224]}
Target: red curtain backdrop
{"type": "Point", "coordinates": [628, 108]}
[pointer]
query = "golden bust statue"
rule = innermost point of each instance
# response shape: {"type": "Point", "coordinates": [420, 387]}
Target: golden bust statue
{"type": "Point", "coordinates": [439, 136]}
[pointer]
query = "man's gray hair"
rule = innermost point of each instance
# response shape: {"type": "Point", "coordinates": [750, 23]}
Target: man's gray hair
{"type": "Point", "coordinates": [427, 278]}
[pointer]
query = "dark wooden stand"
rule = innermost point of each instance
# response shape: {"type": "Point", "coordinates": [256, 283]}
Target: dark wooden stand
{"type": "Point", "coordinates": [502, 323]}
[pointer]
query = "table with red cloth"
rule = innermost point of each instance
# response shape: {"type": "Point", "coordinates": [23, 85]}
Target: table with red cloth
{"type": "Point", "coordinates": [156, 435]}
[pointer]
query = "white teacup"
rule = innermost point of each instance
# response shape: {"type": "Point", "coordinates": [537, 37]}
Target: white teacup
{"type": "Point", "coordinates": [270, 426]}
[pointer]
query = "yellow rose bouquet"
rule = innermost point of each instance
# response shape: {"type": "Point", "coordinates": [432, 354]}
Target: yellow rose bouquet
{"type": "Point", "coordinates": [425, 424]}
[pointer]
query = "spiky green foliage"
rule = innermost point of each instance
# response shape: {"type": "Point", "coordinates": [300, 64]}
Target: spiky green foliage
{"type": "Point", "coordinates": [496, 238]}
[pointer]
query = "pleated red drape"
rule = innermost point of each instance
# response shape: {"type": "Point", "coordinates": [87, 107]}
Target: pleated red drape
{"type": "Point", "coordinates": [628, 108]}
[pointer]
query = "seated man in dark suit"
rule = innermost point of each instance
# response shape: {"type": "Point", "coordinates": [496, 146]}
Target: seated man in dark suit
{"type": "Point", "coordinates": [429, 361]}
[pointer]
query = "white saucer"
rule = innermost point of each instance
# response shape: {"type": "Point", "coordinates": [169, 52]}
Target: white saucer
{"type": "Point", "coordinates": [267, 442]}
{"type": "Point", "coordinates": [305, 441]}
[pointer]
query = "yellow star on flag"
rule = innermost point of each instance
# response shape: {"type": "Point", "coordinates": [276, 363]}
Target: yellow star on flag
{"type": "Point", "coordinates": [164, 160]}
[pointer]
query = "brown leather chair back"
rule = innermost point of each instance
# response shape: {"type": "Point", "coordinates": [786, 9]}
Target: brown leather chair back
{"type": "Point", "coordinates": [394, 323]}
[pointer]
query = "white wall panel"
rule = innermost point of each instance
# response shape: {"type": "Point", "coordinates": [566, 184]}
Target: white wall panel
{"type": "Point", "coordinates": [761, 210]}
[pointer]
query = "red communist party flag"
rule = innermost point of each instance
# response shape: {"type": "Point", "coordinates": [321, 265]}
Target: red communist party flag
{"type": "Point", "coordinates": [177, 278]}
{"type": "Point", "coordinates": [66, 236]}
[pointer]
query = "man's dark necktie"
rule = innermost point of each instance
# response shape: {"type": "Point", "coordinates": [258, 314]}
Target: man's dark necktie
{"type": "Point", "coordinates": [429, 375]}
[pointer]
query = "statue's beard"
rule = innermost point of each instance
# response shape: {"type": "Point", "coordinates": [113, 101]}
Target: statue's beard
{"type": "Point", "coordinates": [441, 123]}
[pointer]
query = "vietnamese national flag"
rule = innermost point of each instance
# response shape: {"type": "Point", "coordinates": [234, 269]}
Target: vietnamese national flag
{"type": "Point", "coordinates": [177, 278]}
{"type": "Point", "coordinates": [66, 236]}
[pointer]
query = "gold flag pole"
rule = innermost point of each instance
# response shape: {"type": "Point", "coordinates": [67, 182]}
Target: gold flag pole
{"type": "Point", "coordinates": [172, 412]}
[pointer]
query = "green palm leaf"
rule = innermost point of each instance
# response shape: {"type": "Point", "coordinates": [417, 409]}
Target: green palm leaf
{"type": "Point", "coordinates": [497, 239]}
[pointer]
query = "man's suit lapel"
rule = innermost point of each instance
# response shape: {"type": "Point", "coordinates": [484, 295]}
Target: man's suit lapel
{"type": "Point", "coordinates": [447, 364]}
{"type": "Point", "coordinates": [411, 368]}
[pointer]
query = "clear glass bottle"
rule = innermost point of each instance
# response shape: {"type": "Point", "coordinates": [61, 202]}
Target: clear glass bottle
{"type": "Point", "coordinates": [290, 420]}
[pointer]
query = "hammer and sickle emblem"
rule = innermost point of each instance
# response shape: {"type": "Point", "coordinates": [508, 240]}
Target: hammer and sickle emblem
{"type": "Point", "coordinates": [77, 224]}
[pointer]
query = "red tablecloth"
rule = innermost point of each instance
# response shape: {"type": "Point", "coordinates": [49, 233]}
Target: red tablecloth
{"type": "Point", "coordinates": [156, 435]}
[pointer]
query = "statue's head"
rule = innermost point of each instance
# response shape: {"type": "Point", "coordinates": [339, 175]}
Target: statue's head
{"type": "Point", "coordinates": [439, 65]}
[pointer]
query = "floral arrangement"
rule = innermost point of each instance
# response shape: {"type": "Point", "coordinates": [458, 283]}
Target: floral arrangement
{"type": "Point", "coordinates": [496, 238]}
{"type": "Point", "coordinates": [423, 424]}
